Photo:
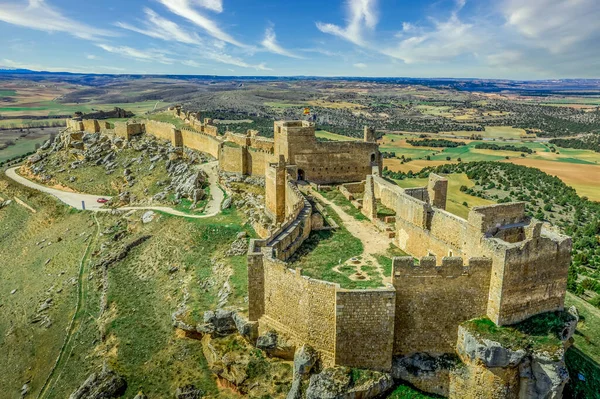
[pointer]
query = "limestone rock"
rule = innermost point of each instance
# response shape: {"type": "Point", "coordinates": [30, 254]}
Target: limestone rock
{"type": "Point", "coordinates": [220, 323]}
{"type": "Point", "coordinates": [140, 395]}
{"type": "Point", "coordinates": [226, 203]}
{"type": "Point", "coordinates": [489, 353]}
{"type": "Point", "coordinates": [103, 385]}
{"type": "Point", "coordinates": [305, 359]}
{"type": "Point", "coordinates": [425, 372]}
{"type": "Point", "coordinates": [543, 377]}
{"type": "Point", "coordinates": [247, 329]}
{"type": "Point", "coordinates": [275, 346]}
{"type": "Point", "coordinates": [296, 390]}
{"type": "Point", "coordinates": [188, 392]}
{"type": "Point", "coordinates": [339, 383]}
{"type": "Point", "coordinates": [148, 217]}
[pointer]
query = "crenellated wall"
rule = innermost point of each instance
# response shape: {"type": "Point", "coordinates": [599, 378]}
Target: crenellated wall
{"type": "Point", "coordinates": [433, 300]}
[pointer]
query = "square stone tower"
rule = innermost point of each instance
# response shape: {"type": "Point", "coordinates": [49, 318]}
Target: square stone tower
{"type": "Point", "coordinates": [293, 137]}
{"type": "Point", "coordinates": [275, 180]}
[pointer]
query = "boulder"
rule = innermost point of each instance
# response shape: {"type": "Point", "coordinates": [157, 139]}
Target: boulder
{"type": "Point", "coordinates": [188, 392]}
{"type": "Point", "coordinates": [226, 203]}
{"type": "Point", "coordinates": [344, 383]}
{"type": "Point", "coordinates": [140, 395]}
{"type": "Point", "coordinates": [305, 359]}
{"type": "Point", "coordinates": [103, 385]}
{"type": "Point", "coordinates": [247, 329]}
{"type": "Point", "coordinates": [220, 322]}
{"type": "Point", "coordinates": [425, 372]}
{"type": "Point", "coordinates": [276, 346]}
{"type": "Point", "coordinates": [148, 217]}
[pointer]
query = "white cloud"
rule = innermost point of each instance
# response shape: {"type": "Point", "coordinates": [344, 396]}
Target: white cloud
{"type": "Point", "coordinates": [37, 14]}
{"type": "Point", "coordinates": [555, 25]}
{"type": "Point", "coordinates": [91, 57]}
{"type": "Point", "coordinates": [151, 55]}
{"type": "Point", "coordinates": [214, 5]}
{"type": "Point", "coordinates": [360, 65]}
{"type": "Point", "coordinates": [362, 15]}
{"type": "Point", "coordinates": [191, 63]}
{"type": "Point", "coordinates": [162, 28]}
{"type": "Point", "coordinates": [443, 41]}
{"type": "Point", "coordinates": [184, 8]}
{"type": "Point", "coordinates": [231, 60]}
{"type": "Point", "coordinates": [270, 43]}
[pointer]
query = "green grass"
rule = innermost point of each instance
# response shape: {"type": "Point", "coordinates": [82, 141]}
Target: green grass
{"type": "Point", "coordinates": [407, 392]}
{"type": "Point", "coordinates": [21, 146]}
{"type": "Point", "coordinates": [324, 250]}
{"type": "Point", "coordinates": [338, 198]}
{"type": "Point", "coordinates": [539, 333]}
{"type": "Point", "coordinates": [8, 93]}
{"type": "Point", "coordinates": [168, 117]}
{"type": "Point", "coordinates": [30, 350]}
{"type": "Point", "coordinates": [386, 260]}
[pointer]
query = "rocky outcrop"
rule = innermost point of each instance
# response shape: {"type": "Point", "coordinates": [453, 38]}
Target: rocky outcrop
{"type": "Point", "coordinates": [425, 372]}
{"type": "Point", "coordinates": [188, 392]}
{"type": "Point", "coordinates": [103, 385]}
{"type": "Point", "coordinates": [276, 346]}
{"type": "Point", "coordinates": [346, 383]}
{"type": "Point", "coordinates": [523, 369]}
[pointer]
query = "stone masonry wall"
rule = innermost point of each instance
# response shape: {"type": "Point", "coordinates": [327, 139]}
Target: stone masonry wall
{"type": "Point", "coordinates": [159, 130]}
{"type": "Point", "coordinates": [201, 142]}
{"type": "Point", "coordinates": [364, 328]}
{"type": "Point", "coordinates": [432, 301]}
{"type": "Point", "coordinates": [300, 308]}
{"type": "Point", "coordinates": [232, 158]}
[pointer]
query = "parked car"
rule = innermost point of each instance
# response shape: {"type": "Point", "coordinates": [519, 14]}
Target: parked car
{"type": "Point", "coordinates": [102, 200]}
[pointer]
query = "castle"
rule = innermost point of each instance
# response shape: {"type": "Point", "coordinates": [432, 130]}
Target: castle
{"type": "Point", "coordinates": [497, 263]}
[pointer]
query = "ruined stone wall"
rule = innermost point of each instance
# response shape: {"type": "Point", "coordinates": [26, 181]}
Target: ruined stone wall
{"type": "Point", "coordinates": [301, 308]}
{"type": "Point", "coordinates": [201, 142]}
{"type": "Point", "coordinates": [485, 218]}
{"type": "Point", "coordinates": [91, 126]}
{"type": "Point", "coordinates": [364, 328]}
{"type": "Point", "coordinates": [449, 229]}
{"type": "Point", "coordinates": [432, 301]}
{"type": "Point", "coordinates": [407, 208]}
{"type": "Point", "coordinates": [530, 279]}
{"type": "Point", "coordinates": [126, 130]}
{"type": "Point", "coordinates": [262, 143]}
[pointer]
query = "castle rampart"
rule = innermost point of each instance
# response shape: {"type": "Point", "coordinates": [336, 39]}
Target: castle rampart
{"type": "Point", "coordinates": [433, 299]}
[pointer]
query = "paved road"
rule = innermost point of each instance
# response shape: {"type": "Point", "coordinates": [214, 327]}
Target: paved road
{"type": "Point", "coordinates": [76, 200]}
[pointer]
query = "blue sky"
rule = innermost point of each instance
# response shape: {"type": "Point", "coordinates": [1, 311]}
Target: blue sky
{"type": "Point", "coordinates": [514, 39]}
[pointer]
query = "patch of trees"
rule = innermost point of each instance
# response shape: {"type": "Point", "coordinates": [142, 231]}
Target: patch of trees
{"type": "Point", "coordinates": [436, 143]}
{"type": "Point", "coordinates": [508, 147]}
{"type": "Point", "coordinates": [589, 142]}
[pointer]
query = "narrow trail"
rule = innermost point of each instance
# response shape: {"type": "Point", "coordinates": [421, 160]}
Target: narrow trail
{"type": "Point", "coordinates": [374, 241]}
{"type": "Point", "coordinates": [76, 200]}
{"type": "Point", "coordinates": [81, 296]}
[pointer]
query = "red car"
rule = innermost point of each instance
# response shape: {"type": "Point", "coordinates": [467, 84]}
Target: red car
{"type": "Point", "coordinates": [102, 200]}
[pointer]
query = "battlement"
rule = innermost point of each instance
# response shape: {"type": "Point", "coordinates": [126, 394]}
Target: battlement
{"type": "Point", "coordinates": [451, 266]}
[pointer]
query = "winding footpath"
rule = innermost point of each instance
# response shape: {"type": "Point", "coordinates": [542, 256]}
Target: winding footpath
{"type": "Point", "coordinates": [79, 200]}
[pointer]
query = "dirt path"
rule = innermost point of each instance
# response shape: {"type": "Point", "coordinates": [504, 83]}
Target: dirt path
{"type": "Point", "coordinates": [374, 241]}
{"type": "Point", "coordinates": [90, 202]}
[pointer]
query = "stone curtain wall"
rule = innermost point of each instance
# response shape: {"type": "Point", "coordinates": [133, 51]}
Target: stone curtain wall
{"type": "Point", "coordinates": [449, 229]}
{"type": "Point", "coordinates": [301, 308]}
{"type": "Point", "coordinates": [365, 328]}
{"type": "Point", "coordinates": [485, 218]}
{"type": "Point", "coordinates": [201, 142]}
{"type": "Point", "coordinates": [160, 130]}
{"type": "Point", "coordinates": [432, 301]}
{"type": "Point", "coordinates": [532, 279]}
{"type": "Point", "coordinates": [232, 158]}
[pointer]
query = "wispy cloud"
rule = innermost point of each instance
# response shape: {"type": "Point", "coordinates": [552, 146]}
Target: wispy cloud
{"type": "Point", "coordinates": [185, 9]}
{"type": "Point", "coordinates": [214, 5]}
{"type": "Point", "coordinates": [362, 15]}
{"type": "Point", "coordinates": [442, 41]}
{"type": "Point", "coordinates": [37, 14]}
{"type": "Point", "coordinates": [270, 43]}
{"type": "Point", "coordinates": [191, 63]}
{"type": "Point", "coordinates": [231, 60]}
{"type": "Point", "coordinates": [360, 65]}
{"type": "Point", "coordinates": [161, 28]}
{"type": "Point", "coordinates": [152, 55]}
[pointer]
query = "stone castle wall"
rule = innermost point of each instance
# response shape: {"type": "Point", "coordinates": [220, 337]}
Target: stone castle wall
{"type": "Point", "coordinates": [364, 324]}
{"type": "Point", "coordinates": [433, 300]}
{"type": "Point", "coordinates": [201, 142]}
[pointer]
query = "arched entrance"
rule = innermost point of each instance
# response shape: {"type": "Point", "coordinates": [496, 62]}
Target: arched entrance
{"type": "Point", "coordinates": [301, 175]}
